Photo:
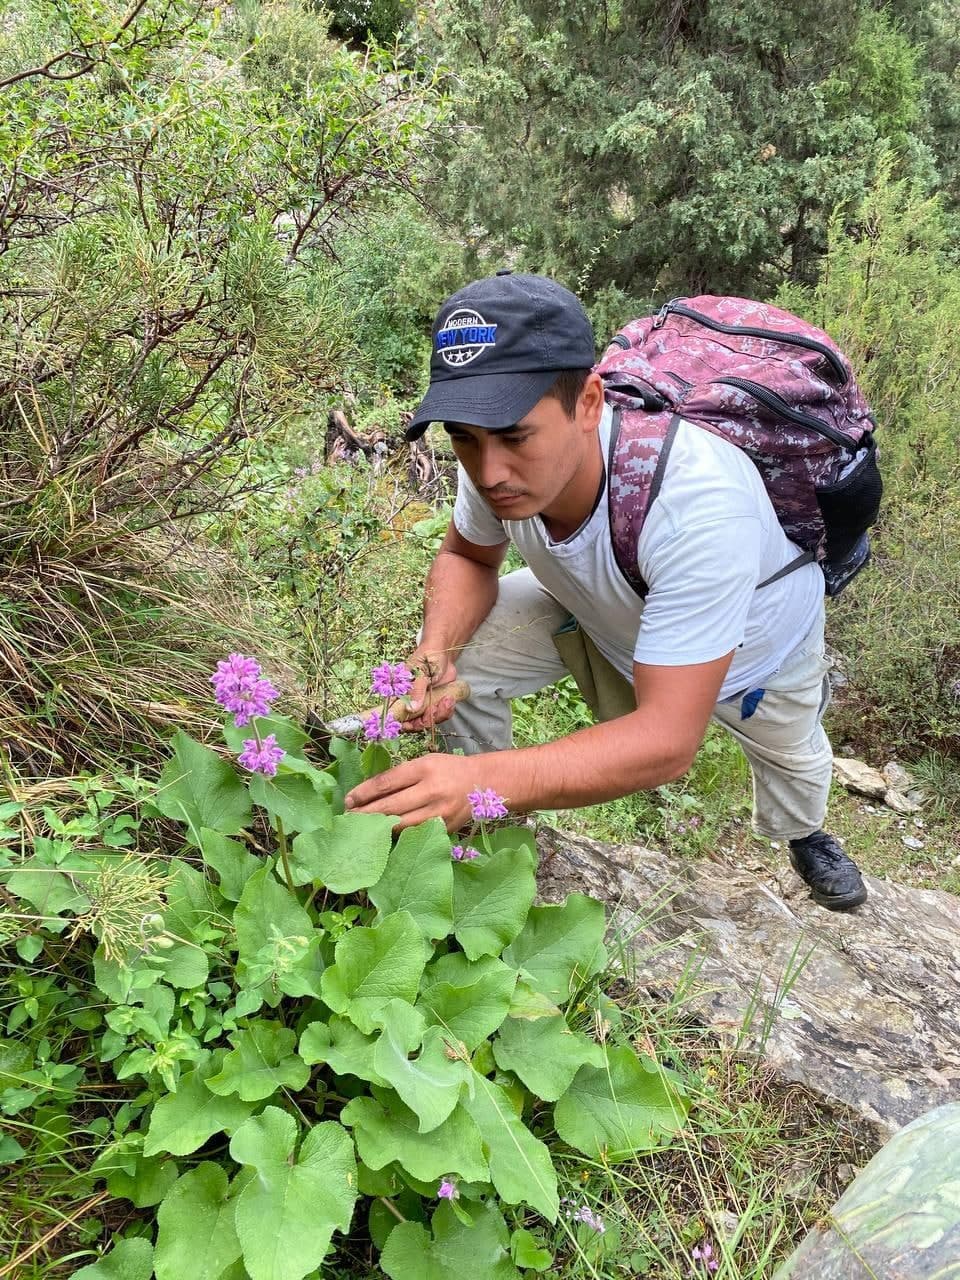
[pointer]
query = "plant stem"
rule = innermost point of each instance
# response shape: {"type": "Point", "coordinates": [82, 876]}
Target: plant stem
{"type": "Point", "coordinates": [282, 842]}
{"type": "Point", "coordinates": [393, 1208]}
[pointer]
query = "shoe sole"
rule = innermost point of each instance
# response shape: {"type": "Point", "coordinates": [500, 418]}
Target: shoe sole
{"type": "Point", "coordinates": [839, 902]}
{"type": "Point", "coordinates": [833, 901]}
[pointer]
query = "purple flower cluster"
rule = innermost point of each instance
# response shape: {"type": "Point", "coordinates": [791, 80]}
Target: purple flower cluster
{"type": "Point", "coordinates": [241, 689]}
{"type": "Point", "coordinates": [391, 680]}
{"type": "Point", "coordinates": [261, 757]}
{"type": "Point", "coordinates": [704, 1253]}
{"type": "Point", "coordinates": [585, 1215]}
{"type": "Point", "coordinates": [447, 1190]}
{"type": "Point", "coordinates": [485, 803]}
{"type": "Point", "coordinates": [380, 725]}
{"type": "Point", "coordinates": [459, 854]}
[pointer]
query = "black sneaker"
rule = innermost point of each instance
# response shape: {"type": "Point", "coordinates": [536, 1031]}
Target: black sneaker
{"type": "Point", "coordinates": [835, 882]}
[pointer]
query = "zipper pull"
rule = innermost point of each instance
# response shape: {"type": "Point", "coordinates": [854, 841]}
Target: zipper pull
{"type": "Point", "coordinates": [663, 313]}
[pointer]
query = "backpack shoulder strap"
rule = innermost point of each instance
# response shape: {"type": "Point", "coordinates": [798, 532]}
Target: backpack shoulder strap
{"type": "Point", "coordinates": [639, 447]}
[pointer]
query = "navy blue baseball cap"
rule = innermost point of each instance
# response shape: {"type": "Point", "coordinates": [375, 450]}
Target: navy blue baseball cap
{"type": "Point", "coordinates": [498, 345]}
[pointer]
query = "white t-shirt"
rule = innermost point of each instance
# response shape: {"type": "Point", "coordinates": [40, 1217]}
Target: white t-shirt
{"type": "Point", "coordinates": [710, 536]}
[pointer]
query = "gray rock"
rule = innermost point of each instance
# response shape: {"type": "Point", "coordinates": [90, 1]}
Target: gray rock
{"type": "Point", "coordinates": [899, 802]}
{"type": "Point", "coordinates": [861, 1007]}
{"type": "Point", "coordinates": [900, 1217]}
{"type": "Point", "coordinates": [859, 777]}
{"type": "Point", "coordinates": [896, 776]}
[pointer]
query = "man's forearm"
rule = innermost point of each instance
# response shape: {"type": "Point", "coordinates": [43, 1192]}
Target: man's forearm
{"type": "Point", "coordinates": [458, 595]}
{"type": "Point", "coordinates": [603, 762]}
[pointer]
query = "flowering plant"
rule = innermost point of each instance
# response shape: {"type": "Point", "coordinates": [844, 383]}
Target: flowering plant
{"type": "Point", "coordinates": [329, 1013]}
{"type": "Point", "coordinates": [390, 680]}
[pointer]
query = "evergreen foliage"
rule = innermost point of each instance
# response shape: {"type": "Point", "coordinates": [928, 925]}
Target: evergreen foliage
{"type": "Point", "coordinates": [651, 148]}
{"type": "Point", "coordinates": [889, 292]}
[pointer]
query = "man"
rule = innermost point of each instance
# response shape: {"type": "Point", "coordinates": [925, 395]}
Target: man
{"type": "Point", "coordinates": [512, 382]}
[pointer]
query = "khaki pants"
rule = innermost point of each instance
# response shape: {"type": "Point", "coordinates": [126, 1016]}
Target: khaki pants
{"type": "Point", "coordinates": [528, 640]}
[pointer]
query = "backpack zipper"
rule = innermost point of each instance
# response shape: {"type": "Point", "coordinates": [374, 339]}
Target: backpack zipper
{"type": "Point", "coordinates": [780, 406]}
{"type": "Point", "coordinates": [675, 308]}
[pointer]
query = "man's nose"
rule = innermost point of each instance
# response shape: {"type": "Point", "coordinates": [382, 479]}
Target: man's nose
{"type": "Point", "coordinates": [493, 465]}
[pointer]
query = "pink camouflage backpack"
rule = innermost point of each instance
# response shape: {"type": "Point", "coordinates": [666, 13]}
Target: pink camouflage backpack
{"type": "Point", "coordinates": [771, 384]}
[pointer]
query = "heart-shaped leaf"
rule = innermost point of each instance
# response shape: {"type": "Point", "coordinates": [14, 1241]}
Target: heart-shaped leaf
{"type": "Point", "coordinates": [386, 1130]}
{"type": "Point", "coordinates": [278, 945]}
{"type": "Point", "coordinates": [544, 1053]}
{"type": "Point", "coordinates": [619, 1108]}
{"type": "Point", "coordinates": [561, 946]}
{"type": "Point", "coordinates": [196, 1236]}
{"type": "Point", "coordinates": [287, 1214]}
{"type": "Point", "coordinates": [348, 856]}
{"type": "Point", "coordinates": [299, 795]}
{"type": "Point", "coordinates": [183, 1121]}
{"type": "Point", "coordinates": [431, 1083]}
{"type": "Point", "coordinates": [476, 1248]}
{"type": "Point", "coordinates": [262, 1061]}
{"type": "Point", "coordinates": [491, 899]}
{"type": "Point", "coordinates": [469, 999]}
{"type": "Point", "coordinates": [342, 1047]}
{"type": "Point", "coordinates": [199, 788]}
{"type": "Point", "coordinates": [372, 966]}
{"type": "Point", "coordinates": [419, 879]}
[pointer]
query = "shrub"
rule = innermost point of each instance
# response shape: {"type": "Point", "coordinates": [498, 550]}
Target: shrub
{"type": "Point", "coordinates": [890, 295]}
{"type": "Point", "coordinates": [161, 308]}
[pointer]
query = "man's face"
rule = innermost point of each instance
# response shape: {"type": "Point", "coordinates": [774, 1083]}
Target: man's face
{"type": "Point", "coordinates": [525, 470]}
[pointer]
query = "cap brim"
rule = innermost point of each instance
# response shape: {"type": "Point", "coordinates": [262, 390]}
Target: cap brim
{"type": "Point", "coordinates": [494, 401]}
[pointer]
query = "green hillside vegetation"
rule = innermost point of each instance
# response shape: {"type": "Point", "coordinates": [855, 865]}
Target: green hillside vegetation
{"type": "Point", "coordinates": [219, 224]}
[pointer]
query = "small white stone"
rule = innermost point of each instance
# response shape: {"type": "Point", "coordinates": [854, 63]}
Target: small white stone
{"type": "Point", "coordinates": [775, 844]}
{"type": "Point", "coordinates": [912, 842]}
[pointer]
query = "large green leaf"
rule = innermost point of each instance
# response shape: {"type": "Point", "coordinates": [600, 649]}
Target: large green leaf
{"type": "Point", "coordinates": [342, 1047]}
{"type": "Point", "coordinates": [183, 1121]}
{"type": "Point", "coordinates": [561, 946]}
{"type": "Point", "coordinates": [196, 1236]}
{"type": "Point", "coordinates": [372, 966]}
{"type": "Point", "coordinates": [276, 940]}
{"type": "Point", "coordinates": [520, 1164]}
{"type": "Point", "coordinates": [199, 788]}
{"type": "Point", "coordinates": [469, 999]}
{"type": "Point", "coordinates": [419, 879]}
{"type": "Point", "coordinates": [479, 1250]}
{"type": "Point", "coordinates": [51, 892]}
{"type": "Point", "coordinates": [544, 1053]}
{"type": "Point", "coordinates": [299, 795]}
{"type": "Point", "coordinates": [231, 860]}
{"type": "Point", "coordinates": [185, 965]}
{"type": "Point", "coordinates": [387, 1130]}
{"type": "Point", "coordinates": [351, 855]}
{"type": "Point", "coordinates": [143, 1180]}
{"type": "Point", "coordinates": [491, 898]}
{"type": "Point", "coordinates": [619, 1108]}
{"type": "Point", "coordinates": [431, 1083]}
{"type": "Point", "coordinates": [262, 1062]}
{"type": "Point", "coordinates": [287, 1214]}
{"type": "Point", "coordinates": [127, 1260]}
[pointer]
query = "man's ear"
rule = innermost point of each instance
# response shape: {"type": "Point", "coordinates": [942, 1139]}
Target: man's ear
{"type": "Point", "coordinates": [590, 405]}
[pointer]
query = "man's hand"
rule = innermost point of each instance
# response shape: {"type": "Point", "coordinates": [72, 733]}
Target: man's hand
{"type": "Point", "coordinates": [433, 669]}
{"type": "Point", "coordinates": [433, 786]}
